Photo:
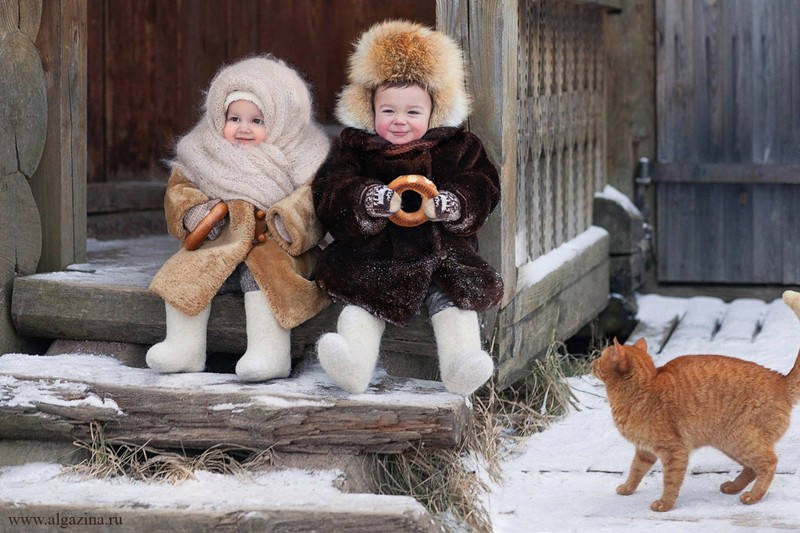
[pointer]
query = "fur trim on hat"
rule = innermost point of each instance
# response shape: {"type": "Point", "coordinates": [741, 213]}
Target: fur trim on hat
{"type": "Point", "coordinates": [246, 96]}
{"type": "Point", "coordinates": [404, 51]}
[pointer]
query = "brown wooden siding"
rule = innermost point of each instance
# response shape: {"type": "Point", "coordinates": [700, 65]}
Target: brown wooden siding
{"type": "Point", "coordinates": [728, 104]}
{"type": "Point", "coordinates": [150, 60]}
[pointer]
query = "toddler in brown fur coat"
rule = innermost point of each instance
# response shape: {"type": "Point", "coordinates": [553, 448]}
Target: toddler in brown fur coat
{"type": "Point", "coordinates": [405, 105]}
{"type": "Point", "coordinates": [255, 148]}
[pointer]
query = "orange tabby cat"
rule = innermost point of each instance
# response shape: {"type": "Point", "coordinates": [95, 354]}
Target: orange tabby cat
{"type": "Point", "coordinates": [736, 406]}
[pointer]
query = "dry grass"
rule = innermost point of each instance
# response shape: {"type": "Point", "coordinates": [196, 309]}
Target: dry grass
{"type": "Point", "coordinates": [445, 481]}
{"type": "Point", "coordinates": [145, 463]}
{"type": "Point", "coordinates": [439, 480]}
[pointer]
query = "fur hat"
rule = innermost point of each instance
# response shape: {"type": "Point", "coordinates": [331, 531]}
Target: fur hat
{"type": "Point", "coordinates": [399, 50]}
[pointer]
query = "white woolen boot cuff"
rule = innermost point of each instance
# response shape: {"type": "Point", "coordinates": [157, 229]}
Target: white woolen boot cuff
{"type": "Point", "coordinates": [463, 364]}
{"type": "Point", "coordinates": [268, 354]}
{"type": "Point", "coordinates": [350, 355]}
{"type": "Point", "coordinates": [184, 348]}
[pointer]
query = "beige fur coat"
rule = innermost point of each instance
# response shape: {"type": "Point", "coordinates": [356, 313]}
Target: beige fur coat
{"type": "Point", "coordinates": [189, 280]}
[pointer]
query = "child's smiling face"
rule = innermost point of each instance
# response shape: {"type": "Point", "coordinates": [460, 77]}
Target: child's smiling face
{"type": "Point", "coordinates": [402, 113]}
{"type": "Point", "coordinates": [244, 124]}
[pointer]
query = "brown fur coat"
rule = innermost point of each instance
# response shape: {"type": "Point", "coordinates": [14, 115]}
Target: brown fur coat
{"type": "Point", "coordinates": [189, 280]}
{"type": "Point", "coordinates": [388, 269]}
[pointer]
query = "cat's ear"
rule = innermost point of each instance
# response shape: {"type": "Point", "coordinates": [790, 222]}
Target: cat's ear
{"type": "Point", "coordinates": [641, 344]}
{"type": "Point", "coordinates": [619, 357]}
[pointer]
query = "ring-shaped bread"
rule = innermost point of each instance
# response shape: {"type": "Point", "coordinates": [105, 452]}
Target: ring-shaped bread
{"type": "Point", "coordinates": [198, 235]}
{"type": "Point", "coordinates": [422, 186]}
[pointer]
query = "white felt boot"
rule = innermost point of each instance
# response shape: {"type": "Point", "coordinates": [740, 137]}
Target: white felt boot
{"type": "Point", "coordinates": [350, 355]}
{"type": "Point", "coordinates": [184, 349]}
{"type": "Point", "coordinates": [268, 354]}
{"type": "Point", "coordinates": [464, 366]}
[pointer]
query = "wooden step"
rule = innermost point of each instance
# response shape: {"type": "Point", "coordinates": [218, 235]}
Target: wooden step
{"type": "Point", "coordinates": [35, 496]}
{"type": "Point", "coordinates": [106, 299]}
{"type": "Point", "coordinates": [59, 397]}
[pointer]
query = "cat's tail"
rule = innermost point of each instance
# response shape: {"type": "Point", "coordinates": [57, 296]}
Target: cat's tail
{"type": "Point", "coordinates": [792, 301]}
{"type": "Point", "coordinates": [793, 380]}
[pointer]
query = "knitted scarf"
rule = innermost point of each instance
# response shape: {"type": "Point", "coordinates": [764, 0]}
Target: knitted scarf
{"type": "Point", "coordinates": [263, 174]}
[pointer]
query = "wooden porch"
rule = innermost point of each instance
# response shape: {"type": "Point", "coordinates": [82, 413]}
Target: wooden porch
{"type": "Point", "coordinates": [84, 297]}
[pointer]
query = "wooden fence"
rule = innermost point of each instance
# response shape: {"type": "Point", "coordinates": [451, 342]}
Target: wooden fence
{"type": "Point", "coordinates": [728, 105]}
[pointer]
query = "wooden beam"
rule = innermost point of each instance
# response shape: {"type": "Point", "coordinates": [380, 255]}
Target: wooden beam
{"type": "Point", "coordinates": [727, 173]}
{"type": "Point", "coordinates": [23, 129]}
{"type": "Point", "coordinates": [59, 183]}
{"type": "Point", "coordinates": [59, 397]}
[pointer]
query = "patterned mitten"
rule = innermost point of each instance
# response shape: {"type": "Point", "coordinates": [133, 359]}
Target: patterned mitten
{"type": "Point", "coordinates": [443, 207]}
{"type": "Point", "coordinates": [381, 201]}
{"type": "Point", "coordinates": [197, 213]}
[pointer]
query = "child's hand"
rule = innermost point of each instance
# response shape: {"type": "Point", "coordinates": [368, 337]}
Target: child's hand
{"type": "Point", "coordinates": [197, 213]}
{"type": "Point", "coordinates": [381, 201]}
{"type": "Point", "coordinates": [443, 207]}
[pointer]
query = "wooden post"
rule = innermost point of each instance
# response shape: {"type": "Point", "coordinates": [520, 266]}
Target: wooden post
{"type": "Point", "coordinates": [59, 183]}
{"type": "Point", "coordinates": [522, 96]}
{"type": "Point", "coordinates": [487, 33]}
{"type": "Point", "coordinates": [23, 125]}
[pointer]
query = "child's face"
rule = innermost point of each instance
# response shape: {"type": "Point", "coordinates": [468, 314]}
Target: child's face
{"type": "Point", "coordinates": [402, 113]}
{"type": "Point", "coordinates": [244, 124]}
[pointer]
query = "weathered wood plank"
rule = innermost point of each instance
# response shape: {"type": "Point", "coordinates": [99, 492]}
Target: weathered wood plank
{"type": "Point", "coordinates": [58, 398]}
{"type": "Point", "coordinates": [557, 295]}
{"type": "Point", "coordinates": [711, 172]}
{"type": "Point", "coordinates": [728, 233]}
{"type": "Point", "coordinates": [174, 508]}
{"type": "Point", "coordinates": [657, 321]}
{"type": "Point", "coordinates": [125, 196]}
{"type": "Point", "coordinates": [23, 126]}
{"type": "Point", "coordinates": [742, 320]}
{"type": "Point", "coordinates": [372, 515]}
{"type": "Point", "coordinates": [558, 318]}
{"type": "Point", "coordinates": [699, 324]}
{"type": "Point", "coordinates": [22, 15]}
{"type": "Point", "coordinates": [20, 452]}
{"type": "Point", "coordinates": [790, 256]}
{"type": "Point", "coordinates": [540, 282]}
{"type": "Point", "coordinates": [59, 183]}
{"type": "Point", "coordinates": [23, 100]}
{"type": "Point", "coordinates": [486, 31]}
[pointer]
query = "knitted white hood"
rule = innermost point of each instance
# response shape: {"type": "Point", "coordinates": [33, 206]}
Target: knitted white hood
{"type": "Point", "coordinates": [263, 174]}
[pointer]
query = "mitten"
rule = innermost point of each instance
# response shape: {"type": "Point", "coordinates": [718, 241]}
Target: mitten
{"type": "Point", "coordinates": [280, 227]}
{"type": "Point", "coordinates": [443, 207]}
{"type": "Point", "coordinates": [197, 213]}
{"type": "Point", "coordinates": [381, 201]}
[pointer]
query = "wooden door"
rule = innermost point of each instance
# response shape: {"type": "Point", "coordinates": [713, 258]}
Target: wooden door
{"type": "Point", "coordinates": [728, 141]}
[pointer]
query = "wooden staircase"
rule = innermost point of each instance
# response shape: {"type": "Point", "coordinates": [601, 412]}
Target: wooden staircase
{"type": "Point", "coordinates": [101, 319]}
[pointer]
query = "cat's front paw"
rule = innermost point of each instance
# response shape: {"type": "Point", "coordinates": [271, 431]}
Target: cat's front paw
{"type": "Point", "coordinates": [661, 506]}
{"type": "Point", "coordinates": [625, 489]}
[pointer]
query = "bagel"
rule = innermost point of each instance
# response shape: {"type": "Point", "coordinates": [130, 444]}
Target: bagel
{"type": "Point", "coordinates": [198, 235]}
{"type": "Point", "coordinates": [420, 185]}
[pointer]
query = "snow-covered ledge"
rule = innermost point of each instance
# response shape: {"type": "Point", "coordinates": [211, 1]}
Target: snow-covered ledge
{"type": "Point", "coordinates": [555, 295]}
{"type": "Point", "coordinates": [59, 397]}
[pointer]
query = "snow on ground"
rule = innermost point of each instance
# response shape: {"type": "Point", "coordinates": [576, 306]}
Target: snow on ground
{"type": "Point", "coordinates": [562, 479]}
